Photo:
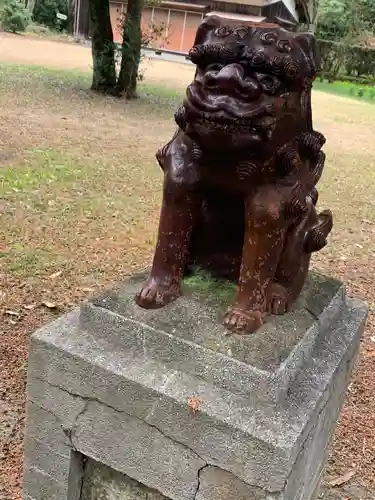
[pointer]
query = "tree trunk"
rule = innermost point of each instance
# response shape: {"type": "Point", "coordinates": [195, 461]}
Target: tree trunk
{"type": "Point", "coordinates": [315, 19]}
{"type": "Point", "coordinates": [31, 5]}
{"type": "Point", "coordinates": [131, 50]}
{"type": "Point", "coordinates": [132, 90]}
{"type": "Point", "coordinates": [71, 11]}
{"type": "Point", "coordinates": [103, 50]}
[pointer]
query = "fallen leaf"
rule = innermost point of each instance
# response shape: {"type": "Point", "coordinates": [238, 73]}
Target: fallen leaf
{"type": "Point", "coordinates": [12, 313]}
{"type": "Point", "coordinates": [339, 481]}
{"type": "Point", "coordinates": [49, 305]}
{"type": "Point", "coordinates": [29, 307]}
{"type": "Point", "coordinates": [195, 403]}
{"type": "Point", "coordinates": [55, 275]}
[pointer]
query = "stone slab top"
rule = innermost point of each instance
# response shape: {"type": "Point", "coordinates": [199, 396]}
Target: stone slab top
{"type": "Point", "coordinates": [197, 317]}
{"type": "Point", "coordinates": [188, 334]}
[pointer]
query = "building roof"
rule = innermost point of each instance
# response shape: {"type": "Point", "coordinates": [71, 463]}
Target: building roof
{"type": "Point", "coordinates": [289, 4]}
{"type": "Point", "coordinates": [237, 17]}
{"type": "Point", "coordinates": [182, 5]}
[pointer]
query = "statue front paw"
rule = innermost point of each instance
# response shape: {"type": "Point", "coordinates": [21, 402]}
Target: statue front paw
{"type": "Point", "coordinates": [155, 295]}
{"type": "Point", "coordinates": [243, 322]}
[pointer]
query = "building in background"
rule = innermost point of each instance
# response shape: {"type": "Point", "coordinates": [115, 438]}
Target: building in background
{"type": "Point", "coordinates": [179, 20]}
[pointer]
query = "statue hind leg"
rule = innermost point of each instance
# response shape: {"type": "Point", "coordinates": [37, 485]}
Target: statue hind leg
{"type": "Point", "coordinates": [308, 235]}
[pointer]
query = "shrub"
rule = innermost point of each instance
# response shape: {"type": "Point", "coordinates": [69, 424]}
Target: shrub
{"type": "Point", "coordinates": [38, 29]}
{"type": "Point", "coordinates": [356, 62]}
{"type": "Point", "coordinates": [360, 61]}
{"type": "Point", "coordinates": [332, 56]}
{"type": "Point", "coordinates": [45, 13]}
{"type": "Point", "coordinates": [15, 17]}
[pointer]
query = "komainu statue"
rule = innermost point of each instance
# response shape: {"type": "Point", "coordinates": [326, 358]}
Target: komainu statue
{"type": "Point", "coordinates": [240, 173]}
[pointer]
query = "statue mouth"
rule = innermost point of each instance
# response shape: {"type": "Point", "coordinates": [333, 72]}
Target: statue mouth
{"type": "Point", "coordinates": [260, 126]}
{"type": "Point", "coordinates": [228, 115]}
{"type": "Point", "coordinates": [225, 107]}
{"type": "Point", "coordinates": [226, 123]}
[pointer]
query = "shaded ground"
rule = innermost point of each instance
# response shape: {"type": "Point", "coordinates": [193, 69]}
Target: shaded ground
{"type": "Point", "coordinates": [79, 205]}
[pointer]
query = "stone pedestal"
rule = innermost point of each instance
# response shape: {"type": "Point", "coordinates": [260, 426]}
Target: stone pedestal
{"type": "Point", "coordinates": [127, 404]}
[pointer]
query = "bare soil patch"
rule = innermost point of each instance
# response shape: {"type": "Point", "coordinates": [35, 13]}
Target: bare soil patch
{"type": "Point", "coordinates": [79, 204]}
{"type": "Point", "coordinates": [20, 49]}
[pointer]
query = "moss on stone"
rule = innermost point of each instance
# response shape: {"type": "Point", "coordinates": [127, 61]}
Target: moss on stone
{"type": "Point", "coordinates": [201, 282]}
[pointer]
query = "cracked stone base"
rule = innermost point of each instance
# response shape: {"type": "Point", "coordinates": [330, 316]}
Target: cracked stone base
{"type": "Point", "coordinates": [109, 386]}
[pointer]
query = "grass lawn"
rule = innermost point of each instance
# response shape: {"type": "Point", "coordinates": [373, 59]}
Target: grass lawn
{"type": "Point", "coordinates": [80, 195]}
{"type": "Point", "coordinates": [365, 93]}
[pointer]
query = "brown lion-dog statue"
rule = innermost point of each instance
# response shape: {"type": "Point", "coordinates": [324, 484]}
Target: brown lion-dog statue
{"type": "Point", "coordinates": [240, 173]}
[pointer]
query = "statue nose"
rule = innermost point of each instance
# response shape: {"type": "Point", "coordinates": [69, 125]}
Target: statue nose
{"type": "Point", "coordinates": [230, 76]}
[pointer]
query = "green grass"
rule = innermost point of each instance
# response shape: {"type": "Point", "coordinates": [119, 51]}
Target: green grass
{"type": "Point", "coordinates": [348, 89]}
{"type": "Point", "coordinates": [46, 167]}
{"type": "Point", "coordinates": [79, 174]}
{"type": "Point", "coordinates": [41, 77]}
{"type": "Point", "coordinates": [37, 188]}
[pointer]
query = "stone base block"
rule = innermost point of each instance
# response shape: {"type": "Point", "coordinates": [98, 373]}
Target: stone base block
{"type": "Point", "coordinates": [128, 404]}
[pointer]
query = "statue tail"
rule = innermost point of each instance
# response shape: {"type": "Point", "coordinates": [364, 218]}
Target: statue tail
{"type": "Point", "coordinates": [316, 237]}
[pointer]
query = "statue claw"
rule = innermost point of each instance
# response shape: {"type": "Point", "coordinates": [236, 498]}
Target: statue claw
{"type": "Point", "coordinates": [154, 295]}
{"type": "Point", "coordinates": [243, 322]}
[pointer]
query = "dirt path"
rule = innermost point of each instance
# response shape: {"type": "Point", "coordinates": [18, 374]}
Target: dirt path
{"type": "Point", "coordinates": [71, 56]}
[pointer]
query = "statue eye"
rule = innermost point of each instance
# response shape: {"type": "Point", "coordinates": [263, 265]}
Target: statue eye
{"type": "Point", "coordinates": [269, 83]}
{"type": "Point", "coordinates": [214, 67]}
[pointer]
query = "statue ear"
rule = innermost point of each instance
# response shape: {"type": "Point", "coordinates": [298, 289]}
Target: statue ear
{"type": "Point", "coordinates": [308, 44]}
{"type": "Point", "coordinates": [209, 24]}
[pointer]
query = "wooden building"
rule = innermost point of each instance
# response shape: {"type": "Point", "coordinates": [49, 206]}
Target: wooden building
{"type": "Point", "coordinates": [179, 19]}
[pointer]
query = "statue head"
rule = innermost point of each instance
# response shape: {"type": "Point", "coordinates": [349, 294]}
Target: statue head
{"type": "Point", "coordinates": [251, 87]}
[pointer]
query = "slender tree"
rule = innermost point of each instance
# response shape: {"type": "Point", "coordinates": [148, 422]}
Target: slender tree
{"type": "Point", "coordinates": [315, 11]}
{"type": "Point", "coordinates": [103, 48]}
{"type": "Point", "coordinates": [130, 50]}
{"type": "Point", "coordinates": [70, 24]}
